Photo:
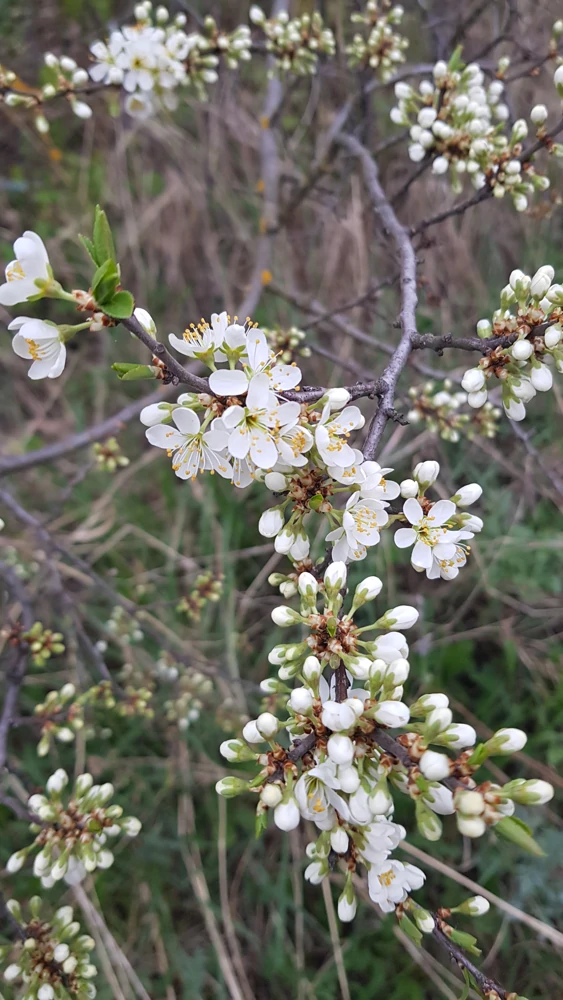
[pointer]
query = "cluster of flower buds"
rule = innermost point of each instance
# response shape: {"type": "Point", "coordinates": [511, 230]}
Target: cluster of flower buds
{"type": "Point", "coordinates": [193, 688]}
{"type": "Point", "coordinates": [23, 568]}
{"type": "Point", "coordinates": [459, 124]}
{"type": "Point", "coordinates": [439, 531]}
{"type": "Point", "coordinates": [43, 643]}
{"type": "Point", "coordinates": [122, 628]}
{"type": "Point", "coordinates": [348, 695]}
{"type": "Point", "coordinates": [71, 837]}
{"type": "Point", "coordinates": [50, 957]}
{"type": "Point", "coordinates": [207, 587]}
{"type": "Point", "coordinates": [63, 77]}
{"type": "Point", "coordinates": [530, 318]}
{"type": "Point", "coordinates": [382, 48]}
{"type": "Point", "coordinates": [154, 57]}
{"type": "Point", "coordinates": [287, 345]}
{"type": "Point", "coordinates": [442, 410]}
{"type": "Point", "coordinates": [108, 455]}
{"type": "Point", "coordinates": [296, 42]}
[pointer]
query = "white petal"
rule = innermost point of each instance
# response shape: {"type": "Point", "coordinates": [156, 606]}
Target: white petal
{"type": "Point", "coordinates": [239, 442]}
{"type": "Point", "coordinates": [228, 383]}
{"type": "Point", "coordinates": [258, 351]}
{"type": "Point", "coordinates": [285, 377]}
{"type": "Point", "coordinates": [258, 392]}
{"type": "Point", "coordinates": [186, 420]}
{"type": "Point", "coordinates": [413, 511]}
{"type": "Point", "coordinates": [440, 512]}
{"type": "Point", "coordinates": [421, 555]}
{"type": "Point", "coordinates": [162, 436]}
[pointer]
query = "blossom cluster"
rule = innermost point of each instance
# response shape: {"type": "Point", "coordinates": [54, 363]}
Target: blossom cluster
{"type": "Point", "coordinates": [460, 123]}
{"type": "Point", "coordinates": [530, 318]}
{"type": "Point", "coordinates": [348, 694]}
{"type": "Point", "coordinates": [71, 837]}
{"type": "Point", "coordinates": [294, 42]}
{"type": "Point", "coordinates": [442, 410]}
{"type": "Point", "coordinates": [383, 48]}
{"type": "Point", "coordinates": [207, 588]}
{"type": "Point", "coordinates": [154, 57]}
{"type": "Point", "coordinates": [108, 455]}
{"type": "Point", "coordinates": [288, 344]}
{"type": "Point", "coordinates": [50, 957]}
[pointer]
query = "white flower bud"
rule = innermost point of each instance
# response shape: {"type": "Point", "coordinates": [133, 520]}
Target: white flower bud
{"type": "Point", "coordinates": [403, 616]}
{"type": "Point", "coordinates": [251, 734]}
{"type": "Point", "coordinates": [519, 130]}
{"type": "Point", "coordinates": [230, 787]}
{"type": "Point", "coordinates": [397, 671]}
{"type": "Point", "coordinates": [440, 69]}
{"type": "Point", "coordinates": [154, 414]}
{"type": "Point", "coordinates": [340, 749]}
{"type": "Point", "coordinates": [522, 350]}
{"type": "Point", "coordinates": [307, 585]}
{"type": "Point", "coordinates": [470, 803]}
{"type": "Point", "coordinates": [426, 473]}
{"type": "Point", "coordinates": [287, 815]}
{"type": "Point", "coordinates": [61, 952]}
{"type": "Point", "coordinates": [64, 915]}
{"type": "Point", "coordinates": [538, 114]}
{"type": "Point", "coordinates": [558, 79]}
{"type": "Point", "coordinates": [267, 725]}
{"type": "Point", "coordinates": [12, 972]}
{"type": "Point", "coordinates": [368, 589]}
{"type": "Point", "coordinates": [555, 295]}
{"type": "Point", "coordinates": [459, 735]}
{"type": "Point", "coordinates": [231, 749]}
{"type": "Point", "coordinates": [541, 378]}
{"type": "Point", "coordinates": [301, 700]}
{"type": "Point", "coordinates": [416, 152]}
{"type": "Point", "coordinates": [69, 966]}
{"type": "Point", "coordinates": [471, 522]}
{"type": "Point", "coordinates": [553, 336]}
{"type": "Point", "coordinates": [381, 801]}
{"type": "Point", "coordinates": [392, 713]}
{"type": "Point", "coordinates": [339, 840]}
{"type": "Point", "coordinates": [15, 861]}
{"type": "Point", "coordinates": [315, 872]}
{"type": "Point", "coordinates": [81, 109]}
{"type": "Point", "coordinates": [50, 60]}
{"type": "Point", "coordinates": [440, 800]}
{"type": "Point", "coordinates": [471, 826]}
{"type": "Point", "coordinates": [534, 792]}
{"type": "Point", "coordinates": [131, 826]}
{"type": "Point", "coordinates": [271, 522]}
{"type": "Point", "coordinates": [466, 495]}
{"type": "Point", "coordinates": [403, 91]}
{"type": "Point", "coordinates": [477, 399]}
{"type": "Point", "coordinates": [434, 766]}
{"type": "Point", "coordinates": [311, 669]}
{"type": "Point", "coordinates": [67, 64]}
{"type": "Point", "coordinates": [57, 781]}
{"type": "Point", "coordinates": [429, 701]}
{"type": "Point", "coordinates": [349, 779]}
{"type": "Point", "coordinates": [484, 328]}
{"type": "Point", "coordinates": [335, 577]}
{"type": "Point", "coordinates": [271, 795]}
{"type": "Point", "coordinates": [476, 906]}
{"type": "Point", "coordinates": [426, 117]}
{"type": "Point", "coordinates": [337, 398]}
{"type": "Point", "coordinates": [473, 380]}
{"type": "Point", "coordinates": [408, 488]}
{"type": "Point", "coordinates": [439, 718]}
{"type": "Point", "coordinates": [79, 77]}
{"type": "Point", "coordinates": [337, 716]}
{"type": "Point", "coordinates": [541, 281]}
{"type": "Point", "coordinates": [275, 481]}
{"type": "Point", "coordinates": [288, 589]}
{"type": "Point", "coordinates": [284, 617]}
{"type": "Point", "coordinates": [284, 541]}
{"type": "Point", "coordinates": [440, 165]}
{"type": "Point", "coordinates": [508, 740]}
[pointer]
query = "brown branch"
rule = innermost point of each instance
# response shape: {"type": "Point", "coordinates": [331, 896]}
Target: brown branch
{"type": "Point", "coordinates": [488, 987]}
{"type": "Point", "coordinates": [404, 247]}
{"type": "Point", "coordinates": [178, 372]}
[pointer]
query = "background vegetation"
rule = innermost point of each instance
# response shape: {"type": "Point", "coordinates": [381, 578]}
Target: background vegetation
{"type": "Point", "coordinates": [182, 196]}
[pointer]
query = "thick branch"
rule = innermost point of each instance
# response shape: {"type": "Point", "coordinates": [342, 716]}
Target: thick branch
{"type": "Point", "coordinates": [402, 241]}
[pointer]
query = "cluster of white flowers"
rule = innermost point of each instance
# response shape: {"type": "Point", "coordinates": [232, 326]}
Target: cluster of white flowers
{"type": "Point", "coordinates": [152, 58]}
{"type": "Point", "coordinates": [51, 959]}
{"type": "Point", "coordinates": [70, 839]}
{"type": "Point", "coordinates": [460, 123]}
{"type": "Point", "coordinates": [442, 410]}
{"type": "Point", "coordinates": [349, 693]}
{"type": "Point", "coordinates": [383, 48]}
{"type": "Point", "coordinates": [295, 42]}
{"type": "Point", "coordinates": [531, 313]}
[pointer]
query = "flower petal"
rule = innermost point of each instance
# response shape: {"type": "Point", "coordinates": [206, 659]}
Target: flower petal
{"type": "Point", "coordinates": [285, 377]}
{"type": "Point", "coordinates": [186, 420]}
{"type": "Point", "coordinates": [413, 511]}
{"type": "Point", "coordinates": [164, 436]}
{"type": "Point", "coordinates": [405, 537]}
{"type": "Point", "coordinates": [226, 382]}
{"type": "Point", "coordinates": [421, 556]}
{"type": "Point", "coordinates": [439, 513]}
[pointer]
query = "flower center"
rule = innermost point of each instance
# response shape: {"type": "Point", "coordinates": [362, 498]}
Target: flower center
{"type": "Point", "coordinates": [14, 271]}
{"type": "Point", "coordinates": [386, 878]}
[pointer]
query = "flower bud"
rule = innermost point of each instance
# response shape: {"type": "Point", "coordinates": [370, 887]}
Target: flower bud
{"type": "Point", "coordinates": [397, 671]}
{"type": "Point", "coordinates": [507, 741]}
{"type": "Point", "coordinates": [338, 716]}
{"type": "Point", "coordinates": [427, 702]}
{"type": "Point", "coordinates": [335, 578]}
{"type": "Point", "coordinates": [458, 736]}
{"type": "Point", "coordinates": [336, 397]}
{"type": "Point", "coordinates": [57, 781]}
{"type": "Point", "coordinates": [267, 725]}
{"type": "Point", "coordinates": [251, 734]}
{"type": "Point", "coordinates": [520, 283]}
{"type": "Point", "coordinates": [522, 350]}
{"type": "Point", "coordinates": [349, 779]}
{"type": "Point", "coordinates": [391, 713]}
{"type": "Point", "coordinates": [473, 380]}
{"type": "Point", "coordinates": [428, 823]}
{"type": "Point", "coordinates": [424, 920]}
{"type": "Point", "coordinates": [553, 336]}
{"type": "Point", "coordinates": [538, 115]}
{"type": "Point", "coordinates": [284, 617]}
{"type": "Point", "coordinates": [16, 861]}
{"type": "Point", "coordinates": [275, 481]}
{"type": "Point", "coordinates": [271, 795]}
{"type": "Point", "coordinates": [541, 378]}
{"type": "Point", "coordinates": [484, 329]}
{"type": "Point", "coordinates": [339, 840]}
{"type": "Point", "coordinates": [475, 906]}
{"type": "Point", "coordinates": [381, 800]}
{"type": "Point", "coordinates": [155, 413]}
{"type": "Point", "coordinates": [61, 952]}
{"type": "Point", "coordinates": [541, 281]}
{"type": "Point", "coordinates": [426, 117]}
{"type": "Point", "coordinates": [555, 295]}
{"type": "Point", "coordinates": [312, 669]}
{"type": "Point", "coordinates": [301, 700]}
{"type": "Point", "coordinates": [470, 803]}
{"type": "Point", "coordinates": [434, 766]}
{"type": "Point", "coordinates": [271, 522]}
{"type": "Point", "coordinates": [131, 826]}
{"type": "Point", "coordinates": [408, 488]}
{"type": "Point", "coordinates": [466, 495]}
{"type": "Point", "coordinates": [236, 750]}
{"type": "Point", "coordinates": [307, 586]}
{"type": "Point", "coordinates": [531, 793]}
{"type": "Point", "coordinates": [471, 826]}
{"type": "Point", "coordinates": [230, 787]}
{"type": "Point", "coordinates": [403, 616]}
{"type": "Point", "coordinates": [367, 590]}
{"type": "Point", "coordinates": [439, 719]}
{"type": "Point", "coordinates": [558, 80]}
{"type": "Point", "coordinates": [340, 749]}
{"type": "Point", "coordinates": [426, 473]}
{"type": "Point", "coordinates": [287, 815]}
{"type": "Point", "coordinates": [519, 132]}
{"type": "Point", "coordinates": [477, 399]}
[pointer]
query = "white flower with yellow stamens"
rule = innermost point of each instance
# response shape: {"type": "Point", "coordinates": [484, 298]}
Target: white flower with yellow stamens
{"type": "Point", "coordinates": [31, 265]}
{"type": "Point", "coordinates": [237, 381]}
{"type": "Point", "coordinates": [192, 449]}
{"type": "Point", "coordinates": [41, 343]}
{"type": "Point", "coordinates": [431, 538]}
{"type": "Point", "coordinates": [317, 797]}
{"type": "Point", "coordinates": [391, 881]}
{"type": "Point", "coordinates": [204, 340]}
{"type": "Point", "coordinates": [361, 522]}
{"type": "Point", "coordinates": [251, 427]}
{"type": "Point", "coordinates": [331, 433]}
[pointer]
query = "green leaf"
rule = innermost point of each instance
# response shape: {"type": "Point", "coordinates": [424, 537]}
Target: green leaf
{"type": "Point", "coordinates": [105, 282]}
{"type": "Point", "coordinates": [103, 240]}
{"type": "Point", "coordinates": [130, 372]}
{"type": "Point", "coordinates": [120, 306]}
{"type": "Point", "coordinates": [89, 247]}
{"type": "Point", "coordinates": [455, 62]}
{"type": "Point", "coordinates": [514, 830]}
{"type": "Point", "coordinates": [410, 929]}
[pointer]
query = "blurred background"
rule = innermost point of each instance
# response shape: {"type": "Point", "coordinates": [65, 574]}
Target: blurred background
{"type": "Point", "coordinates": [196, 893]}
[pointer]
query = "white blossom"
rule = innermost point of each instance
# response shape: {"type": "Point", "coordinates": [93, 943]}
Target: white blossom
{"type": "Point", "coordinates": [391, 881]}
{"type": "Point", "coordinates": [41, 343]}
{"type": "Point", "coordinates": [31, 264]}
{"type": "Point", "coordinates": [192, 449]}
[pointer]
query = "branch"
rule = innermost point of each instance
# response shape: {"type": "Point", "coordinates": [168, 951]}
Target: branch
{"type": "Point", "coordinates": [401, 239]}
{"type": "Point", "coordinates": [16, 463]}
{"type": "Point", "coordinates": [178, 372]}
{"type": "Point", "coordinates": [488, 987]}
{"type": "Point", "coordinates": [15, 672]}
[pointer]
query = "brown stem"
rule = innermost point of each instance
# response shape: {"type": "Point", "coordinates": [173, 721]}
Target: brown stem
{"type": "Point", "coordinates": [340, 683]}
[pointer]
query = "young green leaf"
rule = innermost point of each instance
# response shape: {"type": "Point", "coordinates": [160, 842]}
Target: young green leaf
{"type": "Point", "coordinates": [103, 240]}
{"type": "Point", "coordinates": [120, 306]}
{"type": "Point", "coordinates": [89, 247]}
{"type": "Point", "coordinates": [105, 282]}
